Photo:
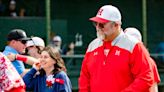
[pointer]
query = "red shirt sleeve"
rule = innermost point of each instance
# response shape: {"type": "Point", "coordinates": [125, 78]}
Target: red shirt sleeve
{"type": "Point", "coordinates": [84, 77]}
{"type": "Point", "coordinates": [141, 69]}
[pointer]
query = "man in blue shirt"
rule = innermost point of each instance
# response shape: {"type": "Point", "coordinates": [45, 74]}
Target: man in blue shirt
{"type": "Point", "coordinates": [16, 44]}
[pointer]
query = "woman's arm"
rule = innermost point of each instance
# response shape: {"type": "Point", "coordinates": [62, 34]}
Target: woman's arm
{"type": "Point", "coordinates": [29, 78]}
{"type": "Point", "coordinates": [66, 86]}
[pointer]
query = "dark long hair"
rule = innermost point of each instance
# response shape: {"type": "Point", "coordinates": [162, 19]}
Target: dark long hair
{"type": "Point", "coordinates": [55, 55]}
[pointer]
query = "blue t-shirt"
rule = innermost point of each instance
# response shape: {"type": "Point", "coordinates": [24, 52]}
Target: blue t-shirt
{"type": "Point", "coordinates": [19, 65]}
{"type": "Point", "coordinates": [37, 83]}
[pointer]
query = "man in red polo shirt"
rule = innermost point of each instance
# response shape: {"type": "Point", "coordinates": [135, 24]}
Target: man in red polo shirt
{"type": "Point", "coordinates": [115, 62]}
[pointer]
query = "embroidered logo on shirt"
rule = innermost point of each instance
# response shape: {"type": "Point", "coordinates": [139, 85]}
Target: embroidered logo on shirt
{"type": "Point", "coordinates": [95, 53]}
{"type": "Point", "coordinates": [117, 52]}
{"type": "Point", "coordinates": [106, 51]}
{"type": "Point", "coordinates": [50, 81]}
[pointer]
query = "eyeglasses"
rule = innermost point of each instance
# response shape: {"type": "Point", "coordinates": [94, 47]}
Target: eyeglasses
{"type": "Point", "coordinates": [100, 25]}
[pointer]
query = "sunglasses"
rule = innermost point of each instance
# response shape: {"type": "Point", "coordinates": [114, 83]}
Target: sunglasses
{"type": "Point", "coordinates": [22, 41]}
{"type": "Point", "coordinates": [100, 25]}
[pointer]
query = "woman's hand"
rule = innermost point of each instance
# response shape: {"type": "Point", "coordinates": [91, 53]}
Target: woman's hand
{"type": "Point", "coordinates": [37, 66]}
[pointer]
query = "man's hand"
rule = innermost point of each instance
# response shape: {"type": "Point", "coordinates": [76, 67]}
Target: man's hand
{"type": "Point", "coordinates": [11, 56]}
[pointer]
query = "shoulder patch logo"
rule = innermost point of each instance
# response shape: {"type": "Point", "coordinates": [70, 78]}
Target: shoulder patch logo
{"type": "Point", "coordinates": [117, 53]}
{"type": "Point", "coordinates": [95, 53]}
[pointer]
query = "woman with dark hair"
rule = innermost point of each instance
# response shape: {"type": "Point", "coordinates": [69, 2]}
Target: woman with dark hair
{"type": "Point", "coordinates": [52, 75]}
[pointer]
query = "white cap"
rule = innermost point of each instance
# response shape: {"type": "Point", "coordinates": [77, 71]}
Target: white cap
{"type": "Point", "coordinates": [133, 32]}
{"type": "Point", "coordinates": [36, 41]}
{"type": "Point", "coordinates": [57, 38]}
{"type": "Point", "coordinates": [106, 14]}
